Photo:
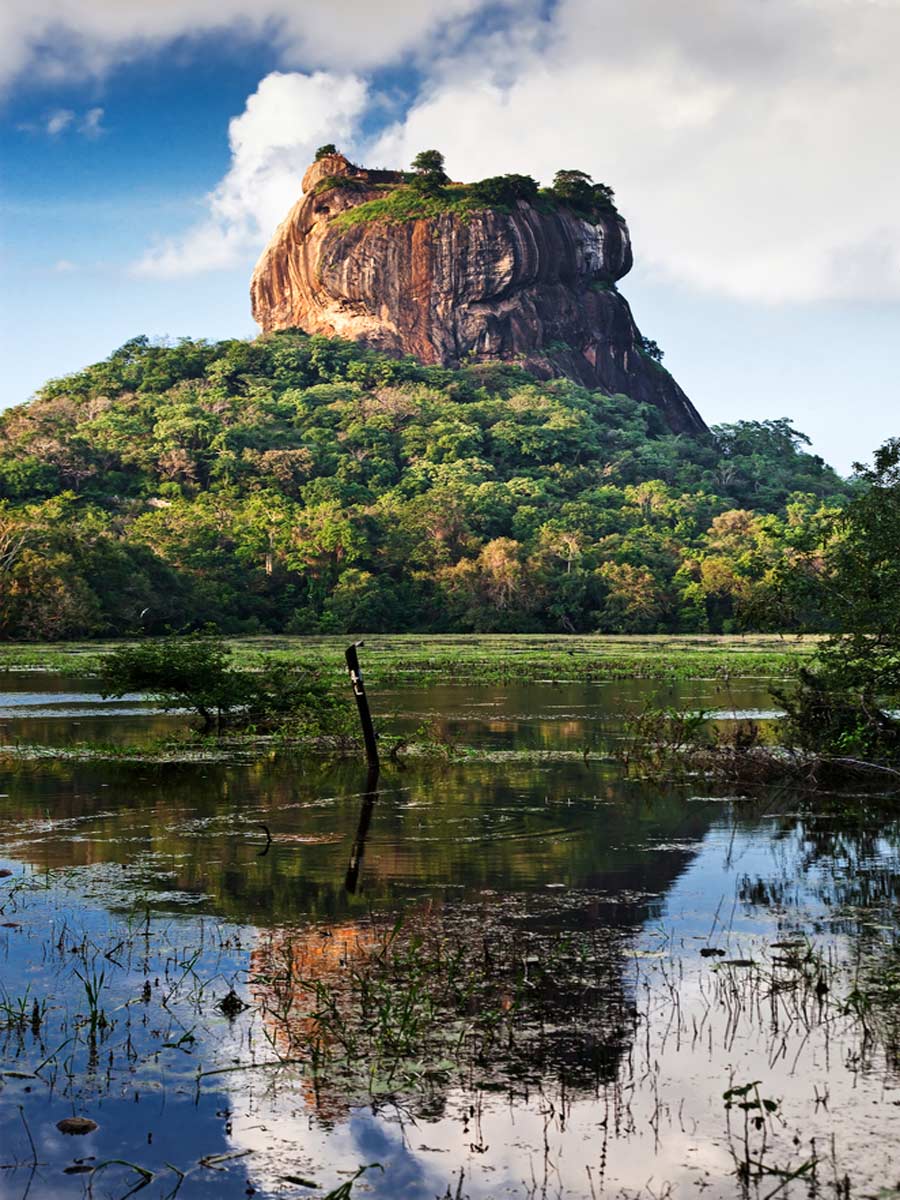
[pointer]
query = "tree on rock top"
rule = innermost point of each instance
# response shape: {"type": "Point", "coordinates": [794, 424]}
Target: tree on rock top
{"type": "Point", "coordinates": [503, 189]}
{"type": "Point", "coordinates": [428, 166]}
{"type": "Point", "coordinates": [572, 185]}
{"type": "Point", "coordinates": [577, 189]}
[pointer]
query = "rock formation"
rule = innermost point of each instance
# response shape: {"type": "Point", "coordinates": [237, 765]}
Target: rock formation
{"type": "Point", "coordinates": [533, 285]}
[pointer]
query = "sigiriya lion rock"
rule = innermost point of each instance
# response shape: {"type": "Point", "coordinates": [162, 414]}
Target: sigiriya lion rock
{"type": "Point", "coordinates": [454, 275]}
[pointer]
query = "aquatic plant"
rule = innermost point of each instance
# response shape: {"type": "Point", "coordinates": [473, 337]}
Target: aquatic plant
{"type": "Point", "coordinates": [398, 1010]}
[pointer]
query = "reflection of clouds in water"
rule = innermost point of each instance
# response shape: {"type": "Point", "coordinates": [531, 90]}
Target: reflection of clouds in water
{"type": "Point", "coordinates": [294, 1127]}
{"type": "Point", "coordinates": [508, 1149]}
{"type": "Point", "coordinates": [664, 1119]}
{"type": "Point", "coordinates": [508, 834]}
{"type": "Point", "coordinates": [283, 1141]}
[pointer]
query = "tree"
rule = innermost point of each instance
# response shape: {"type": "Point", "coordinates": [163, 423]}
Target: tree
{"type": "Point", "coordinates": [865, 561]}
{"type": "Point", "coordinates": [189, 673]}
{"type": "Point", "coordinates": [633, 602]}
{"type": "Point", "coordinates": [651, 349]}
{"type": "Point", "coordinates": [573, 187]}
{"type": "Point", "coordinates": [604, 196]}
{"type": "Point", "coordinates": [577, 189]}
{"type": "Point", "coordinates": [503, 190]}
{"type": "Point", "coordinates": [45, 599]}
{"type": "Point", "coordinates": [846, 702]}
{"type": "Point", "coordinates": [429, 162]}
{"type": "Point", "coordinates": [428, 166]}
{"type": "Point", "coordinates": [326, 151]}
{"type": "Point", "coordinates": [13, 537]}
{"type": "Point", "coordinates": [496, 590]}
{"type": "Point", "coordinates": [310, 483]}
{"type": "Point", "coordinates": [196, 673]}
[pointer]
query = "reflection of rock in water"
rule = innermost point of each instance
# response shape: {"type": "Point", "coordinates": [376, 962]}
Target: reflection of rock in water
{"type": "Point", "coordinates": [488, 996]}
{"type": "Point", "coordinates": [293, 975]}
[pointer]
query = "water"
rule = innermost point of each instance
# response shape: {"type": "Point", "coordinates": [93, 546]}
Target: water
{"type": "Point", "coordinates": [65, 710]}
{"type": "Point", "coordinates": [594, 1041]}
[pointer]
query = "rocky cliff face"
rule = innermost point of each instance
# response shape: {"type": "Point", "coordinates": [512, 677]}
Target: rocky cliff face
{"type": "Point", "coordinates": [530, 286]}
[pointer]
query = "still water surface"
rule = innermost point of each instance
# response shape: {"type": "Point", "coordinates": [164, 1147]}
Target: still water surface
{"type": "Point", "coordinates": [65, 710]}
{"type": "Point", "coordinates": [155, 887]}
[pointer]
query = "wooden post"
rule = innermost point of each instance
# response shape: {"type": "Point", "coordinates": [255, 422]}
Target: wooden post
{"type": "Point", "coordinates": [362, 704]}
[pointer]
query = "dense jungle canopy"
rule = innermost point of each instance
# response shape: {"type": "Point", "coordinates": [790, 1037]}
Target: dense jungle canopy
{"type": "Point", "coordinates": [308, 485]}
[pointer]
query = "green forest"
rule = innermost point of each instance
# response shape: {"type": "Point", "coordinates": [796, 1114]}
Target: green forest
{"type": "Point", "coordinates": [307, 485]}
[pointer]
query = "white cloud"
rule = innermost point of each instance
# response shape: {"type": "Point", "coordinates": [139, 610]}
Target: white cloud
{"type": "Point", "coordinates": [63, 119]}
{"type": "Point", "coordinates": [751, 146]}
{"type": "Point", "coordinates": [61, 38]}
{"type": "Point", "coordinates": [63, 266]}
{"type": "Point", "coordinates": [91, 123]}
{"type": "Point", "coordinates": [59, 121]}
{"type": "Point", "coordinates": [272, 142]}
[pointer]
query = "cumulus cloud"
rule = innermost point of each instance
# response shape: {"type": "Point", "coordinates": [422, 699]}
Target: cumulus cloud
{"type": "Point", "coordinates": [272, 142]}
{"type": "Point", "coordinates": [751, 145]}
{"type": "Point", "coordinates": [61, 38]}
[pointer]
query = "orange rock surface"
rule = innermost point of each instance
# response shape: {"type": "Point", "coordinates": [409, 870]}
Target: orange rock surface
{"type": "Point", "coordinates": [532, 285]}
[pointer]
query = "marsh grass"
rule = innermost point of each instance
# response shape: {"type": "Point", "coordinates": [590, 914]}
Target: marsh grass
{"type": "Point", "coordinates": [792, 993]}
{"type": "Point", "coordinates": [401, 1011]}
{"type": "Point", "coordinates": [487, 659]}
{"type": "Point", "coordinates": [21, 1012]}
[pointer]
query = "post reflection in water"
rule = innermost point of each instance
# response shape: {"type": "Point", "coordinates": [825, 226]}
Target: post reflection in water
{"type": "Point", "coordinates": [370, 795]}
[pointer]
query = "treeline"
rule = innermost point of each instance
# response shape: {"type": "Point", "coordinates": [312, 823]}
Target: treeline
{"type": "Point", "coordinates": [308, 485]}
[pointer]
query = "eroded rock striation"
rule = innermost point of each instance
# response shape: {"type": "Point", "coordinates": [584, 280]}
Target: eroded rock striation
{"type": "Point", "coordinates": [534, 284]}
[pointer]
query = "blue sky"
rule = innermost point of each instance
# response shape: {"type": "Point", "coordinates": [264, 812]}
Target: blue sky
{"type": "Point", "coordinates": [148, 152]}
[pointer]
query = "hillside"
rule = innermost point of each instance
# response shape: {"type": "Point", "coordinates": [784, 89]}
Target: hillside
{"type": "Point", "coordinates": [311, 485]}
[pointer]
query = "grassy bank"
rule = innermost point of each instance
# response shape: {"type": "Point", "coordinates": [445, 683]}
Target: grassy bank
{"type": "Point", "coordinates": [414, 658]}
